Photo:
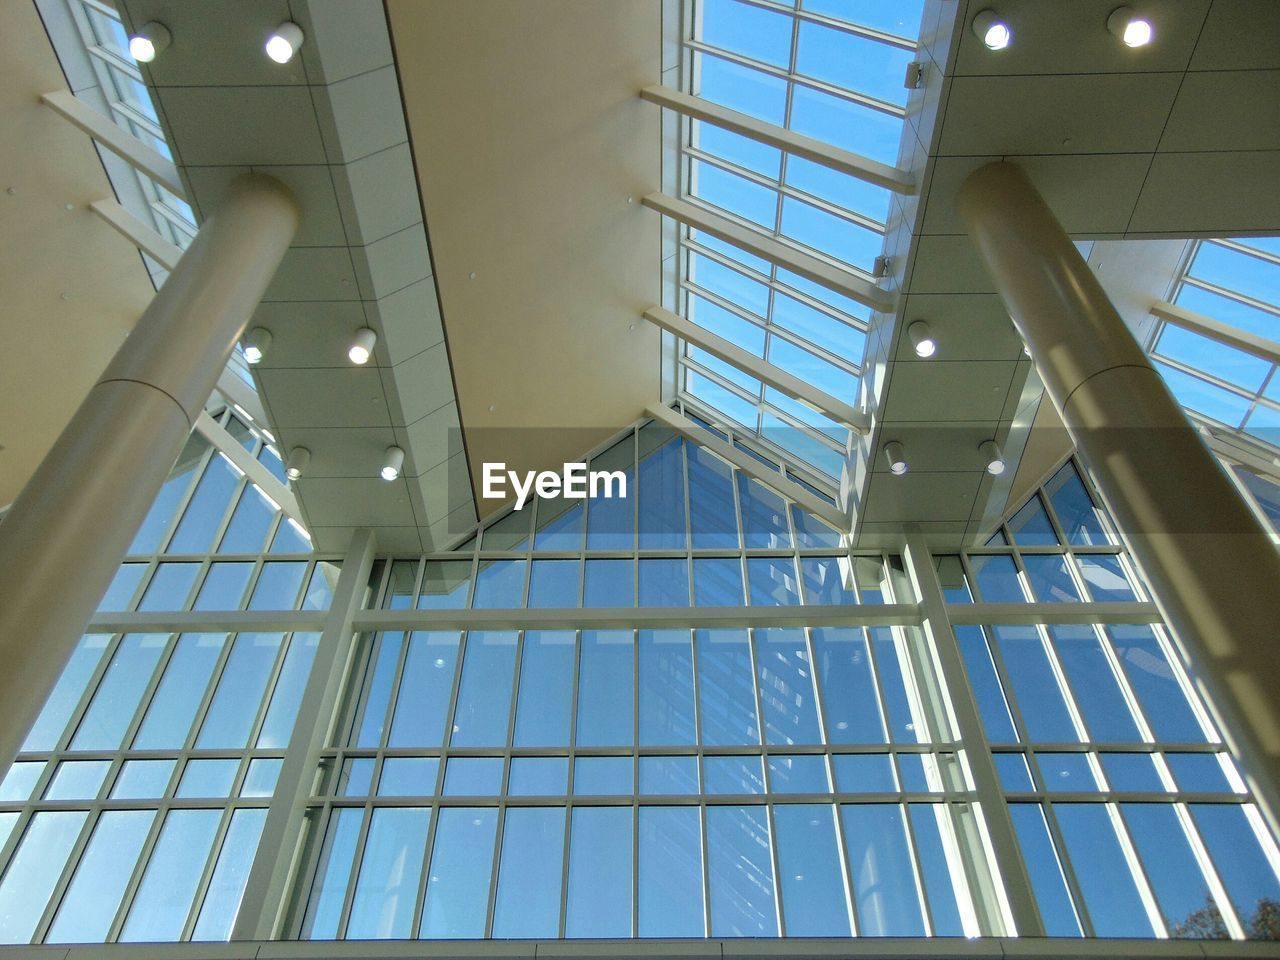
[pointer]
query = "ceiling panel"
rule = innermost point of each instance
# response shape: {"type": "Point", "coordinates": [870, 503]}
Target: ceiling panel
{"type": "Point", "coordinates": [1239, 35]}
{"type": "Point", "coordinates": [1235, 107]}
{"type": "Point", "coordinates": [1090, 113]}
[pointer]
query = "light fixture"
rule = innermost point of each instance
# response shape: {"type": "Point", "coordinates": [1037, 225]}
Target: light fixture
{"type": "Point", "coordinates": [896, 458]}
{"type": "Point", "coordinates": [922, 339]}
{"type": "Point", "coordinates": [299, 460]}
{"type": "Point", "coordinates": [992, 456]}
{"type": "Point", "coordinates": [256, 344]}
{"type": "Point", "coordinates": [149, 42]}
{"type": "Point", "coordinates": [991, 30]}
{"type": "Point", "coordinates": [1133, 30]}
{"type": "Point", "coordinates": [362, 346]}
{"type": "Point", "coordinates": [284, 42]}
{"type": "Point", "coordinates": [391, 466]}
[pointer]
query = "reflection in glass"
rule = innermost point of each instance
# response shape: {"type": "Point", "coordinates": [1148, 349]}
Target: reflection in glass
{"type": "Point", "coordinates": [226, 886]}
{"type": "Point", "coordinates": [426, 685]}
{"type": "Point", "coordinates": [484, 694]}
{"type": "Point", "coordinates": [881, 871]}
{"type": "Point", "coordinates": [606, 689]}
{"type": "Point", "coordinates": [726, 694]}
{"type": "Point", "coordinates": [813, 899]}
{"type": "Point", "coordinates": [386, 892]}
{"type": "Point", "coordinates": [740, 872]}
{"type": "Point", "coordinates": [545, 702]}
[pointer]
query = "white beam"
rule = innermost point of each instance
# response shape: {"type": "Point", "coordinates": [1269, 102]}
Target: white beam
{"type": "Point", "coordinates": [845, 161]}
{"type": "Point", "coordinates": [1250, 343]}
{"type": "Point", "coordinates": [124, 145]}
{"type": "Point", "coordinates": [138, 233]}
{"type": "Point", "coordinates": [750, 466]}
{"type": "Point", "coordinates": [761, 370]}
{"type": "Point", "coordinates": [788, 257]}
{"type": "Point", "coordinates": [216, 434]}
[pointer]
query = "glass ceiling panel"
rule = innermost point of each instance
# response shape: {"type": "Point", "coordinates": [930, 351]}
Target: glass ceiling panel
{"type": "Point", "coordinates": [1237, 283]}
{"type": "Point", "coordinates": [830, 69]}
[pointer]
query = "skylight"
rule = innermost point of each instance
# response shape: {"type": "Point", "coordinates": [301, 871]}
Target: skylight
{"type": "Point", "coordinates": [1236, 283]}
{"type": "Point", "coordinates": [828, 69]}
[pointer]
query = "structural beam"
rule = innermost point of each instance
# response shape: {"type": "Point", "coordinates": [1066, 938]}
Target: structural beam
{"type": "Point", "coordinates": [266, 892]}
{"type": "Point", "coordinates": [819, 271]}
{"type": "Point", "coordinates": [123, 144]}
{"type": "Point", "coordinates": [65, 535]}
{"type": "Point", "coordinates": [230, 447]}
{"type": "Point", "coordinates": [845, 161]}
{"type": "Point", "coordinates": [762, 370]}
{"type": "Point", "coordinates": [1212, 568]}
{"type": "Point", "coordinates": [1231, 336]}
{"type": "Point", "coordinates": [749, 465]}
{"type": "Point", "coordinates": [138, 233]}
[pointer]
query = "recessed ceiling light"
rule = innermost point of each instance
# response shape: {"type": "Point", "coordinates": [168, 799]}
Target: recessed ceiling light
{"type": "Point", "coordinates": [284, 42]}
{"type": "Point", "coordinates": [992, 457]}
{"type": "Point", "coordinates": [992, 31]}
{"type": "Point", "coordinates": [922, 339]}
{"type": "Point", "coordinates": [896, 457]}
{"type": "Point", "coordinates": [1133, 30]}
{"type": "Point", "coordinates": [391, 466]}
{"type": "Point", "coordinates": [299, 460]}
{"type": "Point", "coordinates": [149, 42]}
{"type": "Point", "coordinates": [362, 346]}
{"type": "Point", "coordinates": [256, 344]}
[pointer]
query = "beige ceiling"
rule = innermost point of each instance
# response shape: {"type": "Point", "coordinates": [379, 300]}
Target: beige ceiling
{"type": "Point", "coordinates": [71, 287]}
{"type": "Point", "coordinates": [530, 141]}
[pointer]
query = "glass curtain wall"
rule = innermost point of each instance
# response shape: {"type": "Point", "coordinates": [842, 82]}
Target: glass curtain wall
{"type": "Point", "coordinates": [134, 809]}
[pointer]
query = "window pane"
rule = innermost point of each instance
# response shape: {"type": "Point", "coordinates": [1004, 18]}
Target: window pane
{"type": "Point", "coordinates": [726, 694]}
{"type": "Point", "coordinates": [1044, 711]}
{"type": "Point", "coordinates": [603, 776]}
{"type": "Point", "coordinates": [773, 581]}
{"type": "Point", "coordinates": [208, 778]}
{"type": "Point", "coordinates": [458, 883]}
{"type": "Point", "coordinates": [997, 579]}
{"type": "Point", "coordinates": [664, 582]}
{"type": "Point", "coordinates": [764, 515]}
{"type": "Point", "coordinates": [77, 780]}
{"type": "Point", "coordinates": [93, 898]}
{"type": "Point", "coordinates": [711, 508]}
{"type": "Point", "coordinates": [828, 580]}
{"type": "Point", "coordinates": [278, 586]}
{"type": "Point", "coordinates": [668, 776]}
{"type": "Point", "coordinates": [385, 895]}
{"type": "Point", "coordinates": [881, 871]}
{"type": "Point", "coordinates": [163, 900]}
{"type": "Point", "coordinates": [377, 692]}
{"type": "Point", "coordinates": [411, 776]}
{"type": "Point", "coordinates": [609, 583]}
{"type": "Point", "coordinates": [1102, 872]}
{"type": "Point", "coordinates": [500, 584]}
{"type": "Point", "coordinates": [717, 582]}
{"type": "Point", "coordinates": [235, 704]}
{"type": "Point", "coordinates": [223, 588]}
{"type": "Point", "coordinates": [600, 871]}
{"type": "Point", "coordinates": [813, 900]}
{"type": "Point", "coordinates": [1155, 681]}
{"type": "Point", "coordinates": [484, 696]}
{"type": "Point", "coordinates": [528, 900]}
{"type": "Point", "coordinates": [66, 693]}
{"type": "Point", "coordinates": [249, 524]}
{"type": "Point", "coordinates": [143, 779]}
{"type": "Point", "coordinates": [1050, 579]}
{"type": "Point", "coordinates": [170, 587]}
{"type": "Point", "coordinates": [670, 872]}
{"type": "Point", "coordinates": [444, 585]}
{"type": "Point", "coordinates": [849, 695]}
{"type": "Point", "coordinates": [932, 834]}
{"type": "Point", "coordinates": [1030, 526]}
{"type": "Point", "coordinates": [661, 504]}
{"type": "Point", "coordinates": [800, 774]}
{"type": "Point", "coordinates": [786, 686]}
{"type": "Point", "coordinates": [33, 871]}
{"type": "Point", "coordinates": [1241, 862]}
{"type": "Point", "coordinates": [426, 685]}
{"type": "Point", "coordinates": [1171, 867]}
{"type": "Point", "coordinates": [473, 777]}
{"type": "Point", "coordinates": [733, 775]}
{"type": "Point", "coordinates": [606, 689]}
{"type": "Point", "coordinates": [1047, 882]}
{"type": "Point", "coordinates": [123, 586]}
{"type": "Point", "coordinates": [203, 516]}
{"type": "Point", "coordinates": [290, 685]}
{"type": "Point", "coordinates": [324, 907]}
{"type": "Point", "coordinates": [116, 698]}
{"type": "Point", "coordinates": [538, 776]}
{"type": "Point", "coordinates": [1079, 518]}
{"type": "Point", "coordinates": [559, 525]}
{"type": "Point", "coordinates": [226, 887]}
{"type": "Point", "coordinates": [545, 702]}
{"type": "Point", "coordinates": [740, 872]}
{"type": "Point", "coordinates": [554, 583]}
{"type": "Point", "coordinates": [985, 682]}
{"type": "Point", "coordinates": [667, 712]}
{"type": "Point", "coordinates": [1093, 681]}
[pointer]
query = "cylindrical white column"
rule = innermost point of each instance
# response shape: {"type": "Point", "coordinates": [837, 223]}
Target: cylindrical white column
{"type": "Point", "coordinates": [1214, 571]}
{"type": "Point", "coordinates": [65, 535]}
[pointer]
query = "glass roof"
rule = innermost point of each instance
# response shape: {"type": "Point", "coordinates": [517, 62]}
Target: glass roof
{"type": "Point", "coordinates": [828, 69]}
{"type": "Point", "coordinates": [1237, 283]}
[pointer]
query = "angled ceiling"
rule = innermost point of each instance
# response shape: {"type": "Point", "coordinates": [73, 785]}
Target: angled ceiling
{"type": "Point", "coordinates": [533, 152]}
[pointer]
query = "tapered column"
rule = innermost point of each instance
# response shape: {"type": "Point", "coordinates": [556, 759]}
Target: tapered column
{"type": "Point", "coordinates": [65, 535]}
{"type": "Point", "coordinates": [1214, 571]}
